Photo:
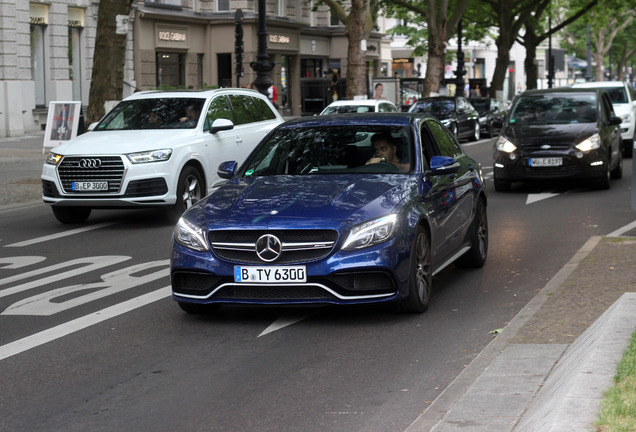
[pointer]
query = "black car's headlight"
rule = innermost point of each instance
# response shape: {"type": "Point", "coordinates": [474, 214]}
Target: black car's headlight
{"type": "Point", "coordinates": [150, 156]}
{"type": "Point", "coordinates": [504, 145]}
{"type": "Point", "coordinates": [371, 233]}
{"type": "Point", "coordinates": [53, 158]}
{"type": "Point", "coordinates": [591, 143]}
{"type": "Point", "coordinates": [191, 236]}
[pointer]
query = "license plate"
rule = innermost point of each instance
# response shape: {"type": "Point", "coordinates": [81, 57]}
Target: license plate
{"type": "Point", "coordinates": [89, 186]}
{"type": "Point", "coordinates": [286, 274]}
{"type": "Point", "coordinates": [546, 162]}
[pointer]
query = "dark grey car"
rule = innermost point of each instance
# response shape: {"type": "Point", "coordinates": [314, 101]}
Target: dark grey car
{"type": "Point", "coordinates": [556, 134]}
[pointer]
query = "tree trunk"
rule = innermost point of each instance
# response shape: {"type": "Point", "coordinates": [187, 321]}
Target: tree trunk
{"type": "Point", "coordinates": [501, 65]}
{"type": "Point", "coordinates": [434, 65]}
{"type": "Point", "coordinates": [356, 65]}
{"type": "Point", "coordinates": [107, 80]}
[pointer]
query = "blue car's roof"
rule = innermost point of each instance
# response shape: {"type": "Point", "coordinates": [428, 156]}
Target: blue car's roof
{"type": "Point", "coordinates": [389, 119]}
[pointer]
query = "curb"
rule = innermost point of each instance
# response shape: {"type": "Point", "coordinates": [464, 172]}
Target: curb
{"type": "Point", "coordinates": [444, 403]}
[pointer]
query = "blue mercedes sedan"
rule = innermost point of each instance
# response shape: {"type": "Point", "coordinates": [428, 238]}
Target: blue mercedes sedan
{"type": "Point", "coordinates": [362, 208]}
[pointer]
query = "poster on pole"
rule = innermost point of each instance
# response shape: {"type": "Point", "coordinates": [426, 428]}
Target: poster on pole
{"type": "Point", "coordinates": [62, 122]}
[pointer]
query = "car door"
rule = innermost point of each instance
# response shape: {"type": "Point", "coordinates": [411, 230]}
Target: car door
{"type": "Point", "coordinates": [464, 117]}
{"type": "Point", "coordinates": [451, 196]}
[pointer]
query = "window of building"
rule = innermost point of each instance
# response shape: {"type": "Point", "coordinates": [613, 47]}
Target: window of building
{"type": "Point", "coordinates": [223, 5]}
{"type": "Point", "coordinates": [224, 69]}
{"type": "Point", "coordinates": [280, 8]}
{"type": "Point", "coordinates": [75, 26]}
{"type": "Point", "coordinates": [168, 4]}
{"type": "Point", "coordinates": [333, 19]}
{"type": "Point", "coordinates": [200, 70]}
{"type": "Point", "coordinates": [311, 68]}
{"type": "Point", "coordinates": [170, 69]}
{"type": "Point", "coordinates": [38, 15]}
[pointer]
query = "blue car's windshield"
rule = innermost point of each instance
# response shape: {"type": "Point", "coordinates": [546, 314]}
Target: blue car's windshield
{"type": "Point", "coordinates": [333, 150]}
{"type": "Point", "coordinates": [557, 108]}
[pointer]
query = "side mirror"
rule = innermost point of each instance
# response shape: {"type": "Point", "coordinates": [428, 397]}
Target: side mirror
{"type": "Point", "coordinates": [226, 169]}
{"type": "Point", "coordinates": [441, 165]}
{"type": "Point", "coordinates": [221, 125]}
{"type": "Point", "coordinates": [613, 120]}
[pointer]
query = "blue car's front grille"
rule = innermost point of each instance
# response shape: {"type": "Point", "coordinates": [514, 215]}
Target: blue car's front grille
{"type": "Point", "coordinates": [298, 246]}
{"type": "Point", "coordinates": [344, 285]}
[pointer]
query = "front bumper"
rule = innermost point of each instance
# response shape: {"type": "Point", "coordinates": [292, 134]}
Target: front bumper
{"type": "Point", "coordinates": [590, 166]}
{"type": "Point", "coordinates": [375, 274]}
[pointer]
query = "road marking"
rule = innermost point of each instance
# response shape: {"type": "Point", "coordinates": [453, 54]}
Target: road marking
{"type": "Point", "coordinates": [284, 321]}
{"type": "Point", "coordinates": [60, 235]}
{"type": "Point", "coordinates": [78, 324]}
{"type": "Point", "coordinates": [532, 198]}
{"type": "Point", "coordinates": [619, 232]}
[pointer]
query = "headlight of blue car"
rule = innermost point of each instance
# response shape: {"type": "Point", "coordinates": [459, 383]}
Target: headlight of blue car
{"type": "Point", "coordinates": [371, 233]}
{"type": "Point", "coordinates": [191, 236]}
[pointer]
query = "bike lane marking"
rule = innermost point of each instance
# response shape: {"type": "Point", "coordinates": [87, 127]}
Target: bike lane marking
{"type": "Point", "coordinates": [60, 235]}
{"type": "Point", "coordinates": [81, 323]}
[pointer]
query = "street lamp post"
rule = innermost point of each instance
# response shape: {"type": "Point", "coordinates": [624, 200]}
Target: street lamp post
{"type": "Point", "coordinates": [459, 73]}
{"type": "Point", "coordinates": [550, 60]}
{"type": "Point", "coordinates": [263, 66]}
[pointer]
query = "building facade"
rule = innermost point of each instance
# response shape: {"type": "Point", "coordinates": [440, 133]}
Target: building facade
{"type": "Point", "coordinates": [47, 51]}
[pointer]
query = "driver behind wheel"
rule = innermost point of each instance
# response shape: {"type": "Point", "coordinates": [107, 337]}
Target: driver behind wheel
{"type": "Point", "coordinates": [386, 150]}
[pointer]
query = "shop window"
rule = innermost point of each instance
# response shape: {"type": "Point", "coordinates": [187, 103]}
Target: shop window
{"type": "Point", "coordinates": [37, 64]}
{"type": "Point", "coordinates": [333, 19]}
{"type": "Point", "coordinates": [224, 69]}
{"type": "Point", "coordinates": [311, 68]}
{"type": "Point", "coordinates": [170, 70]}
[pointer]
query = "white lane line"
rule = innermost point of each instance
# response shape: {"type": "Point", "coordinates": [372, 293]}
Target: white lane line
{"type": "Point", "coordinates": [61, 234]}
{"type": "Point", "coordinates": [532, 198]}
{"type": "Point", "coordinates": [622, 230]}
{"type": "Point", "coordinates": [286, 320]}
{"type": "Point", "coordinates": [81, 323]}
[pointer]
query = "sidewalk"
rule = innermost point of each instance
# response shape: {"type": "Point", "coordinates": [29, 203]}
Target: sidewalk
{"type": "Point", "coordinates": [21, 160]}
{"type": "Point", "coordinates": [516, 384]}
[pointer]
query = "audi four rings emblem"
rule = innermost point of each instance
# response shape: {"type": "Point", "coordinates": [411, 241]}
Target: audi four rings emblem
{"type": "Point", "coordinates": [90, 163]}
{"type": "Point", "coordinates": [268, 247]}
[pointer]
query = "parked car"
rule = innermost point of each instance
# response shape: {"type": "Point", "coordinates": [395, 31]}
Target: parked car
{"type": "Point", "coordinates": [359, 106]}
{"type": "Point", "coordinates": [559, 133]}
{"type": "Point", "coordinates": [456, 113]}
{"type": "Point", "coordinates": [335, 210]}
{"type": "Point", "coordinates": [491, 114]}
{"type": "Point", "coordinates": [624, 106]}
{"type": "Point", "coordinates": [155, 149]}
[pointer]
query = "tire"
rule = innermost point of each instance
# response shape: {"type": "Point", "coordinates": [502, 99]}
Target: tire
{"type": "Point", "coordinates": [421, 276]}
{"type": "Point", "coordinates": [71, 215]}
{"type": "Point", "coordinates": [491, 130]}
{"type": "Point", "coordinates": [604, 182]}
{"type": "Point", "coordinates": [502, 185]}
{"type": "Point", "coordinates": [618, 171]}
{"type": "Point", "coordinates": [476, 133]}
{"type": "Point", "coordinates": [628, 148]}
{"type": "Point", "coordinates": [197, 308]}
{"type": "Point", "coordinates": [478, 237]}
{"type": "Point", "coordinates": [454, 130]}
{"type": "Point", "coordinates": [190, 189]}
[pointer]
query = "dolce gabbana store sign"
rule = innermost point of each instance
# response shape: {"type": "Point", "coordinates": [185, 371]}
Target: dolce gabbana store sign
{"type": "Point", "coordinates": [170, 36]}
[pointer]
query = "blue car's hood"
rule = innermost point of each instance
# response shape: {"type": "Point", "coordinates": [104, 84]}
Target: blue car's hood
{"type": "Point", "coordinates": [350, 198]}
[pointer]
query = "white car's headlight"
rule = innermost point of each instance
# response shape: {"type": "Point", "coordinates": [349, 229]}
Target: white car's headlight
{"type": "Point", "coordinates": [626, 118]}
{"type": "Point", "coordinates": [591, 143]}
{"type": "Point", "coordinates": [371, 233]}
{"type": "Point", "coordinates": [53, 159]}
{"type": "Point", "coordinates": [505, 146]}
{"type": "Point", "coordinates": [191, 236]}
{"type": "Point", "coordinates": [150, 156]}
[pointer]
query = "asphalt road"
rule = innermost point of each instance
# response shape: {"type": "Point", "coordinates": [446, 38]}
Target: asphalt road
{"type": "Point", "coordinates": [90, 339]}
